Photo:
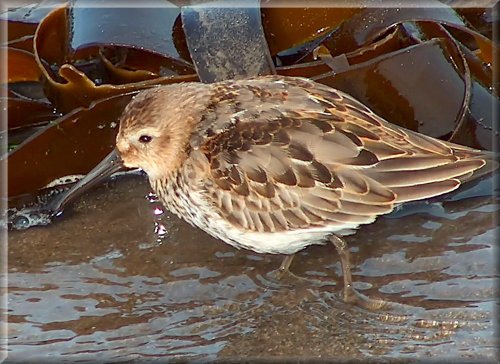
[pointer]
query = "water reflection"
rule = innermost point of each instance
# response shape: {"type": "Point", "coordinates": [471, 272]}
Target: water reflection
{"type": "Point", "coordinates": [107, 283]}
{"type": "Point", "coordinates": [90, 310]}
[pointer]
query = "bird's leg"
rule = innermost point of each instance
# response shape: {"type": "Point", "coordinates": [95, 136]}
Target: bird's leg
{"type": "Point", "coordinates": [286, 263]}
{"type": "Point", "coordinates": [345, 263]}
{"type": "Point", "coordinates": [350, 293]}
{"type": "Point", "coordinates": [284, 268]}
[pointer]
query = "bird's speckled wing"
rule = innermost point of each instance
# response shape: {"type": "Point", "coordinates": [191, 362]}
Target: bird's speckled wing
{"type": "Point", "coordinates": [294, 154]}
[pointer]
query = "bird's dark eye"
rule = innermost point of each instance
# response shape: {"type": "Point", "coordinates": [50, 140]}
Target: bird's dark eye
{"type": "Point", "coordinates": [144, 139]}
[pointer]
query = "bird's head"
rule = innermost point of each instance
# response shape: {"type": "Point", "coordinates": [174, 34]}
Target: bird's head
{"type": "Point", "coordinates": [156, 126]}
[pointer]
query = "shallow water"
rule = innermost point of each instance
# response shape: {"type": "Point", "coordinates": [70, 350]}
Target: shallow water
{"type": "Point", "coordinates": [118, 279]}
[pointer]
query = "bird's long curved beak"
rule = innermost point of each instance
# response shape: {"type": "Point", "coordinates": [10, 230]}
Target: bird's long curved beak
{"type": "Point", "coordinates": [109, 165]}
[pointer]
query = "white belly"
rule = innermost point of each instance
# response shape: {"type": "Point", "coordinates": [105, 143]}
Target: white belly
{"type": "Point", "coordinates": [287, 242]}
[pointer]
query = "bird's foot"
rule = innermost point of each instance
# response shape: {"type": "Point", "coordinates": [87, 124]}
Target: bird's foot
{"type": "Point", "coordinates": [284, 276]}
{"type": "Point", "coordinates": [352, 296]}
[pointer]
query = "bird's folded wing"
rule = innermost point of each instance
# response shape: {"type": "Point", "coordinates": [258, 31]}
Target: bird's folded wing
{"type": "Point", "coordinates": [329, 161]}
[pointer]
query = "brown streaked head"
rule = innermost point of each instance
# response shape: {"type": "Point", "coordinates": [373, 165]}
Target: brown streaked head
{"type": "Point", "coordinates": [156, 125]}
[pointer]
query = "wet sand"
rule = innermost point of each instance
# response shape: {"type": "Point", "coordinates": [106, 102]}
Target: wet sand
{"type": "Point", "coordinates": [118, 279]}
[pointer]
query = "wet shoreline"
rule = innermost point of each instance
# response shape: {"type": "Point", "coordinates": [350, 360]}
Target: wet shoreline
{"type": "Point", "coordinates": [117, 279]}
